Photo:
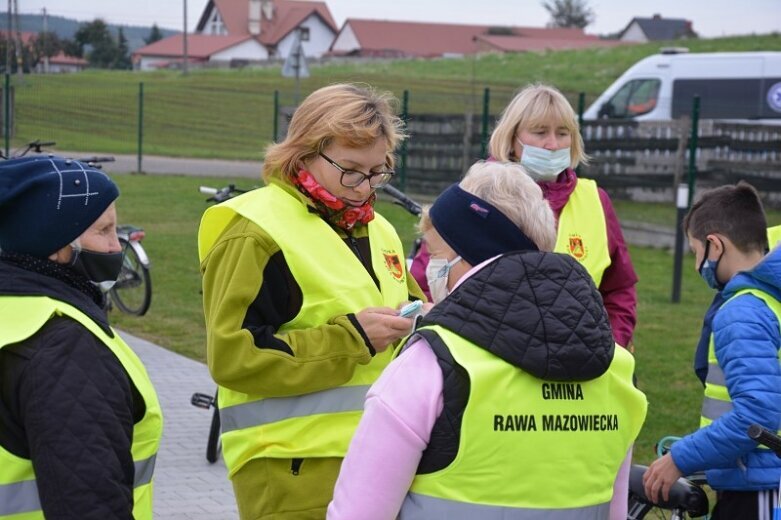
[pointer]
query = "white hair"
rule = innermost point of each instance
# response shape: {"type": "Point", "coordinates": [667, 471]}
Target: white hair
{"type": "Point", "coordinates": [512, 191]}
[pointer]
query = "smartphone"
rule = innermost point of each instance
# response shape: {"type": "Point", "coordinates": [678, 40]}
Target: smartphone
{"type": "Point", "coordinates": [411, 309]}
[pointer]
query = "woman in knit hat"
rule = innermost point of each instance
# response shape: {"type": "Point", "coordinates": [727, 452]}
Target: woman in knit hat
{"type": "Point", "coordinates": [79, 419]}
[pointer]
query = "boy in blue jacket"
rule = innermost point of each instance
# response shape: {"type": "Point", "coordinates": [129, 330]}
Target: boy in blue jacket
{"type": "Point", "coordinates": [727, 233]}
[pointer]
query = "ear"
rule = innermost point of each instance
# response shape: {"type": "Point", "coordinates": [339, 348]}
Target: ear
{"type": "Point", "coordinates": [62, 256]}
{"type": "Point", "coordinates": [716, 245]}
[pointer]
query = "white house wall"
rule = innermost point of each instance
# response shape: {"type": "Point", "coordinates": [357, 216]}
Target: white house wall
{"type": "Point", "coordinates": [247, 50]}
{"type": "Point", "coordinates": [148, 63]}
{"type": "Point", "coordinates": [320, 38]}
{"type": "Point", "coordinates": [634, 34]}
{"type": "Point", "coordinates": [346, 41]}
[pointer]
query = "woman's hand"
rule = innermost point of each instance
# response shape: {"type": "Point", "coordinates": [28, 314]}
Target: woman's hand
{"type": "Point", "coordinates": [383, 326]}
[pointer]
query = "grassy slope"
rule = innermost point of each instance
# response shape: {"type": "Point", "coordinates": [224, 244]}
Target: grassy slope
{"type": "Point", "coordinates": [169, 208]}
{"type": "Point", "coordinates": [229, 113]}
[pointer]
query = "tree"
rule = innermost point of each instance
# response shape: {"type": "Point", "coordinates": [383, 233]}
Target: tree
{"type": "Point", "coordinates": [45, 45]}
{"type": "Point", "coordinates": [569, 13]}
{"type": "Point", "coordinates": [122, 58]}
{"type": "Point", "coordinates": [154, 35]}
{"type": "Point", "coordinates": [95, 34]}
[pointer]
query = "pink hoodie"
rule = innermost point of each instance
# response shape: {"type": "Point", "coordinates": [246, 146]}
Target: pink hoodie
{"type": "Point", "coordinates": [399, 414]}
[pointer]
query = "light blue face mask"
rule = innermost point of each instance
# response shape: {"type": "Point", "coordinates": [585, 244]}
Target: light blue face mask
{"type": "Point", "coordinates": [542, 164]}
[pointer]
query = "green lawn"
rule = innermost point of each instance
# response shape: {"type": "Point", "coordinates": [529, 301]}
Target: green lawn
{"type": "Point", "coordinates": [229, 113]}
{"type": "Point", "coordinates": [169, 208]}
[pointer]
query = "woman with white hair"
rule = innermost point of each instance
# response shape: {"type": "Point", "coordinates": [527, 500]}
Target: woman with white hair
{"type": "Point", "coordinates": [511, 400]}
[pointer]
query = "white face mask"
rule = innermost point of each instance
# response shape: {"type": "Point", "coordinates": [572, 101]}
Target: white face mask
{"type": "Point", "coordinates": [542, 164]}
{"type": "Point", "coordinates": [436, 275]}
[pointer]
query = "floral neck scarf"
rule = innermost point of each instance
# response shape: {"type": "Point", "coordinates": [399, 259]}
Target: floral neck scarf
{"type": "Point", "coordinates": [333, 210]}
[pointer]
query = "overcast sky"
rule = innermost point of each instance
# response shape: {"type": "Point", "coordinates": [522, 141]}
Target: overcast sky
{"type": "Point", "coordinates": [711, 18]}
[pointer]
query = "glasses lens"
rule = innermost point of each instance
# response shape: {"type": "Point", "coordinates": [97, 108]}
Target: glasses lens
{"type": "Point", "coordinates": [351, 179]}
{"type": "Point", "coordinates": [378, 180]}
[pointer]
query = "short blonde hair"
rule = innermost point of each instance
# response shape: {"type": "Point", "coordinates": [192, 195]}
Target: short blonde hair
{"type": "Point", "coordinates": [508, 188]}
{"type": "Point", "coordinates": [351, 115]}
{"type": "Point", "coordinates": [533, 106]}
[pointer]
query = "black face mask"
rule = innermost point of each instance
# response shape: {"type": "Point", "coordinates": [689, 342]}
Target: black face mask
{"type": "Point", "coordinates": [100, 268]}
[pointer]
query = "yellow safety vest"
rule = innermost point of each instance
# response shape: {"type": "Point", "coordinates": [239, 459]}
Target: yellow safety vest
{"type": "Point", "coordinates": [716, 401]}
{"type": "Point", "coordinates": [529, 448]}
{"type": "Point", "coordinates": [582, 232]}
{"type": "Point", "coordinates": [20, 318]}
{"type": "Point", "coordinates": [333, 283]}
{"type": "Point", "coordinates": [773, 236]}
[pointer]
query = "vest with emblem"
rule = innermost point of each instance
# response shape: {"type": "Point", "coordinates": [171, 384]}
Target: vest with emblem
{"type": "Point", "coordinates": [520, 434]}
{"type": "Point", "coordinates": [582, 232]}
{"type": "Point", "coordinates": [20, 318]}
{"type": "Point", "coordinates": [716, 401]}
{"type": "Point", "coordinates": [333, 283]}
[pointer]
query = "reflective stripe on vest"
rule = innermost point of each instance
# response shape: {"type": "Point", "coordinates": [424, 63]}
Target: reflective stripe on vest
{"type": "Point", "coordinates": [274, 409]}
{"type": "Point", "coordinates": [20, 318]}
{"type": "Point", "coordinates": [22, 497]}
{"type": "Point", "coordinates": [333, 282]}
{"type": "Point", "coordinates": [716, 400]}
{"type": "Point", "coordinates": [422, 507]}
{"type": "Point", "coordinates": [582, 231]}
{"type": "Point", "coordinates": [520, 434]}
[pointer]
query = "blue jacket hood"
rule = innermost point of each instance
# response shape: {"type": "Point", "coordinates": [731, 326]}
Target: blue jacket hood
{"type": "Point", "coordinates": [766, 277]}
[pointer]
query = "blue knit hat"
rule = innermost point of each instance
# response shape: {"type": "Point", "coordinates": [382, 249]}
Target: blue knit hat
{"type": "Point", "coordinates": [47, 202]}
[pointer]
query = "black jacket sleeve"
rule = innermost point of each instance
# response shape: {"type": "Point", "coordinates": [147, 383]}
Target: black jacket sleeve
{"type": "Point", "coordinates": [75, 404]}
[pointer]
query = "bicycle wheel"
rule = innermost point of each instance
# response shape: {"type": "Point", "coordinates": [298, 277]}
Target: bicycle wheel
{"type": "Point", "coordinates": [213, 444]}
{"type": "Point", "coordinates": [133, 291]}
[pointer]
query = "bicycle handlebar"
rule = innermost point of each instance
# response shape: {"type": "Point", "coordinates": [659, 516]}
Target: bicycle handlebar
{"type": "Point", "coordinates": [208, 190]}
{"type": "Point", "coordinates": [403, 200]}
{"type": "Point", "coordinates": [766, 438]}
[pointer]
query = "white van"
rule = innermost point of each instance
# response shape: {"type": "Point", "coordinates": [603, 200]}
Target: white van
{"type": "Point", "coordinates": [731, 85]}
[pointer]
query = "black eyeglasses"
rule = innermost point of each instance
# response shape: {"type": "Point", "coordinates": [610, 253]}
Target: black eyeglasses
{"type": "Point", "coordinates": [354, 178]}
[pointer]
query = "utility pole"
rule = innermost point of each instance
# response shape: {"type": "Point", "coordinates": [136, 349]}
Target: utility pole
{"type": "Point", "coordinates": [45, 53]}
{"type": "Point", "coordinates": [8, 39]}
{"type": "Point", "coordinates": [19, 53]}
{"type": "Point", "coordinates": [184, 63]}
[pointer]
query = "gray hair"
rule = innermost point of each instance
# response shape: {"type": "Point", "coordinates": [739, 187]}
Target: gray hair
{"type": "Point", "coordinates": [509, 188]}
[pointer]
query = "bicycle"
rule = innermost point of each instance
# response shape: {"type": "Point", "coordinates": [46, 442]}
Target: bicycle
{"type": "Point", "coordinates": [198, 399]}
{"type": "Point", "coordinates": [686, 496]}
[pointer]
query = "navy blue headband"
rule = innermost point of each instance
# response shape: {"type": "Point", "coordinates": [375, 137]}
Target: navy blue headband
{"type": "Point", "coordinates": [475, 229]}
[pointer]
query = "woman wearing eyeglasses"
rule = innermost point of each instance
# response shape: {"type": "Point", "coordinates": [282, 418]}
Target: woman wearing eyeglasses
{"type": "Point", "coordinates": [301, 282]}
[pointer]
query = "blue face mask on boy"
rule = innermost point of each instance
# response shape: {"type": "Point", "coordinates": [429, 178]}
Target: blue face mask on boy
{"type": "Point", "coordinates": [708, 269]}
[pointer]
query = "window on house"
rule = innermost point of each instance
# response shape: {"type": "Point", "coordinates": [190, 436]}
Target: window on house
{"type": "Point", "coordinates": [635, 98]}
{"type": "Point", "coordinates": [304, 33]}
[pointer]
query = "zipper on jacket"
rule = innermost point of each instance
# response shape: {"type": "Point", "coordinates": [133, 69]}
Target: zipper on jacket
{"type": "Point", "coordinates": [354, 247]}
{"type": "Point", "coordinates": [295, 466]}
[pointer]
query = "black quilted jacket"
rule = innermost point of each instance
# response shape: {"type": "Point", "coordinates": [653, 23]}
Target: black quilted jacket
{"type": "Point", "coordinates": [538, 311]}
{"type": "Point", "coordinates": [67, 404]}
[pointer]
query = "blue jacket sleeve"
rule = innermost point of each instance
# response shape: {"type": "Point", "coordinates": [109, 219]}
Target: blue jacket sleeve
{"type": "Point", "coordinates": [746, 341]}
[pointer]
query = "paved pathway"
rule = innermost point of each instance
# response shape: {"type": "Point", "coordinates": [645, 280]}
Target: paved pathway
{"type": "Point", "coordinates": [187, 487]}
{"type": "Point", "coordinates": [154, 164]}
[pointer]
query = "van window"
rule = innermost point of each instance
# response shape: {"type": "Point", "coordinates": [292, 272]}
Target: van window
{"type": "Point", "coordinates": [635, 98]}
{"type": "Point", "coordinates": [724, 98]}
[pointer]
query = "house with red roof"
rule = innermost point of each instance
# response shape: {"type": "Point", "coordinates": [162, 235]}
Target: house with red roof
{"type": "Point", "coordinates": [245, 30]}
{"type": "Point", "coordinates": [386, 38]}
{"type": "Point", "coordinates": [62, 63]}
